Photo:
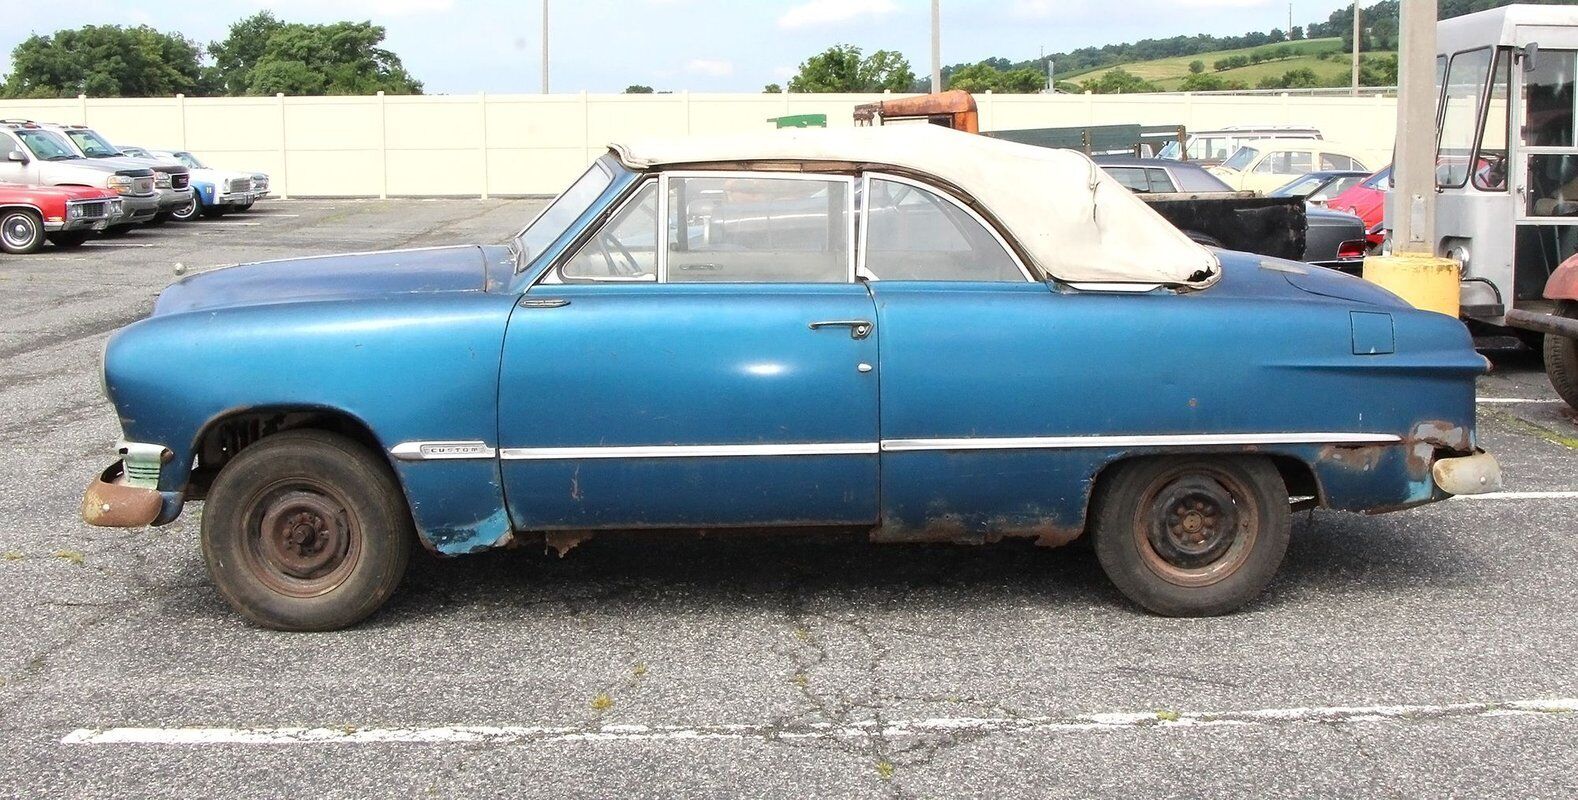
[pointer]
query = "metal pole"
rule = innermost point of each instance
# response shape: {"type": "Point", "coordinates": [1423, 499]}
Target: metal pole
{"type": "Point", "coordinates": [936, 45]}
{"type": "Point", "coordinates": [1357, 35]}
{"type": "Point", "coordinates": [544, 46]}
{"type": "Point", "coordinates": [1051, 87]}
{"type": "Point", "coordinates": [1414, 197]}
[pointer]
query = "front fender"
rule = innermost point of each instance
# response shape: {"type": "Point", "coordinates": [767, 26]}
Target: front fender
{"type": "Point", "coordinates": [1563, 283]}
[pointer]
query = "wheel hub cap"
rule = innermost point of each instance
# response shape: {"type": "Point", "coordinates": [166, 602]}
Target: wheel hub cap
{"type": "Point", "coordinates": [305, 535]}
{"type": "Point", "coordinates": [1195, 523]}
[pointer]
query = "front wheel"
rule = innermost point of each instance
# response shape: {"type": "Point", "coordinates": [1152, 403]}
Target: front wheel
{"type": "Point", "coordinates": [1192, 536]}
{"type": "Point", "coordinates": [306, 531]}
{"type": "Point", "coordinates": [21, 231]}
{"type": "Point", "coordinates": [188, 212]}
{"type": "Point", "coordinates": [1561, 357]}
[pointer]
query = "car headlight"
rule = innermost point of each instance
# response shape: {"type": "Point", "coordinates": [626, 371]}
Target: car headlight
{"type": "Point", "coordinates": [121, 184]}
{"type": "Point", "coordinates": [73, 212]}
{"type": "Point", "coordinates": [161, 180]}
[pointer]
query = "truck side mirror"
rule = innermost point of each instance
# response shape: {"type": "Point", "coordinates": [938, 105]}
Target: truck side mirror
{"type": "Point", "coordinates": [1531, 56]}
{"type": "Point", "coordinates": [16, 156]}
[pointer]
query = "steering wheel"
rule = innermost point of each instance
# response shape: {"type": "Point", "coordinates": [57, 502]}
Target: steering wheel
{"type": "Point", "coordinates": [625, 264]}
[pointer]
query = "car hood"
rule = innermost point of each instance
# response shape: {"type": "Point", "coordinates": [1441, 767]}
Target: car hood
{"type": "Point", "coordinates": [356, 276]}
{"type": "Point", "coordinates": [1362, 201]}
{"type": "Point", "coordinates": [1320, 217]}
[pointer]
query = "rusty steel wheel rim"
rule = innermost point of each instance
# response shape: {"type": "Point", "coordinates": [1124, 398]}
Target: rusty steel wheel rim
{"type": "Point", "coordinates": [1195, 526]}
{"type": "Point", "coordinates": [301, 540]}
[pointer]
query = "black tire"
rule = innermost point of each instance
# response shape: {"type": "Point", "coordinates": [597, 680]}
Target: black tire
{"type": "Point", "coordinates": [159, 219]}
{"type": "Point", "coordinates": [21, 231]}
{"type": "Point", "coordinates": [244, 206]}
{"type": "Point", "coordinates": [68, 239]}
{"type": "Point", "coordinates": [190, 211]}
{"type": "Point", "coordinates": [1561, 357]}
{"type": "Point", "coordinates": [306, 531]}
{"type": "Point", "coordinates": [118, 231]}
{"type": "Point", "coordinates": [1229, 531]}
{"type": "Point", "coordinates": [214, 212]}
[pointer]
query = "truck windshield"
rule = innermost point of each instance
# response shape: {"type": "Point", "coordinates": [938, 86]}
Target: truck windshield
{"type": "Point", "coordinates": [92, 144]}
{"type": "Point", "coordinates": [45, 145]}
{"type": "Point", "coordinates": [190, 160]}
{"type": "Point", "coordinates": [1241, 158]}
{"type": "Point", "coordinates": [561, 213]}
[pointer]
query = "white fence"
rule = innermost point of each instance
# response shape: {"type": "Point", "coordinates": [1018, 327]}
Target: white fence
{"type": "Point", "coordinates": [481, 145]}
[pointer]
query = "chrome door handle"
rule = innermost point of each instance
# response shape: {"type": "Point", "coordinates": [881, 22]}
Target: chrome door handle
{"type": "Point", "coordinates": [543, 302]}
{"type": "Point", "coordinates": [858, 328]}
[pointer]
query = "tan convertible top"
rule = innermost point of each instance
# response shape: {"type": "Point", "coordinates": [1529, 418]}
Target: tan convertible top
{"type": "Point", "coordinates": [1074, 221]}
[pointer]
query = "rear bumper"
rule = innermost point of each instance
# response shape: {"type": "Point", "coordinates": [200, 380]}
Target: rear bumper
{"type": "Point", "coordinates": [1472, 474]}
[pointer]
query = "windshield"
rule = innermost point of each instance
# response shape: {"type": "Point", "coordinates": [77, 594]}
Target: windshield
{"type": "Point", "coordinates": [189, 160]}
{"type": "Point", "coordinates": [1242, 158]}
{"type": "Point", "coordinates": [1299, 187]}
{"type": "Point", "coordinates": [555, 220]}
{"type": "Point", "coordinates": [1379, 179]}
{"type": "Point", "coordinates": [92, 144]}
{"type": "Point", "coordinates": [45, 145]}
{"type": "Point", "coordinates": [137, 151]}
{"type": "Point", "coordinates": [1170, 151]}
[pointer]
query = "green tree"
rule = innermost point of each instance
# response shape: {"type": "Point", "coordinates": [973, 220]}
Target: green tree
{"type": "Point", "coordinates": [105, 61]}
{"type": "Point", "coordinates": [772, 88]}
{"type": "Point", "coordinates": [337, 58]}
{"type": "Point", "coordinates": [841, 68]}
{"type": "Point", "coordinates": [1118, 81]}
{"type": "Point", "coordinates": [637, 88]}
{"type": "Point", "coordinates": [1196, 67]}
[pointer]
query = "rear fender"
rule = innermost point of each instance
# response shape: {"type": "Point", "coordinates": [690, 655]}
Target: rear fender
{"type": "Point", "coordinates": [1563, 283]}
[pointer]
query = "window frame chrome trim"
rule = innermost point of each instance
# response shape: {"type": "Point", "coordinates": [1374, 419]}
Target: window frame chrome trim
{"type": "Point", "coordinates": [865, 232]}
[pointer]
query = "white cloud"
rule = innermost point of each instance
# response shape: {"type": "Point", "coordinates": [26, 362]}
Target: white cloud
{"type": "Point", "coordinates": [1033, 9]}
{"type": "Point", "coordinates": [710, 67]}
{"type": "Point", "coordinates": [823, 12]}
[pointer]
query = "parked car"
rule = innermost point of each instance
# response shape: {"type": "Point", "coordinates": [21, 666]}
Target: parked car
{"type": "Point", "coordinates": [1211, 213]}
{"type": "Point", "coordinates": [62, 214]}
{"type": "Point", "coordinates": [171, 177]}
{"type": "Point", "coordinates": [215, 192]}
{"type": "Point", "coordinates": [35, 157]}
{"type": "Point", "coordinates": [1265, 164]}
{"type": "Point", "coordinates": [1367, 200]}
{"type": "Point", "coordinates": [1207, 147]}
{"type": "Point", "coordinates": [1319, 187]}
{"type": "Point", "coordinates": [1049, 361]}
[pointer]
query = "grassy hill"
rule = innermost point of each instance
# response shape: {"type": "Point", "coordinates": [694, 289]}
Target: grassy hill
{"type": "Point", "coordinates": [1167, 73]}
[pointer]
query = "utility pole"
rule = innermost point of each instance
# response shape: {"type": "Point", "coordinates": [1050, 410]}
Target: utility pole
{"type": "Point", "coordinates": [544, 46]}
{"type": "Point", "coordinates": [1051, 87]}
{"type": "Point", "coordinates": [1413, 270]}
{"type": "Point", "coordinates": [1358, 33]}
{"type": "Point", "coordinates": [936, 45]}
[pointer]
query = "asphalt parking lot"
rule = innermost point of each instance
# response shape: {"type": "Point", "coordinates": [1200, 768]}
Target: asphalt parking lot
{"type": "Point", "coordinates": [1432, 651]}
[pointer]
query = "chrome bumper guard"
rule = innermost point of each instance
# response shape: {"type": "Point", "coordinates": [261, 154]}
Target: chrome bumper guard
{"type": "Point", "coordinates": [1479, 473]}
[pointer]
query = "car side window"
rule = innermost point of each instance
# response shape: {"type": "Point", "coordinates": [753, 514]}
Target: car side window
{"type": "Point", "coordinates": [1335, 161]}
{"type": "Point", "coordinates": [734, 229]}
{"type": "Point", "coordinates": [625, 248]}
{"type": "Point", "coordinates": [1132, 178]}
{"type": "Point", "coordinates": [1271, 163]}
{"type": "Point", "coordinates": [915, 234]}
{"type": "Point", "coordinates": [1160, 183]}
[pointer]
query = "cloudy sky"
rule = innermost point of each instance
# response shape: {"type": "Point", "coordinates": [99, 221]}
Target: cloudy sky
{"type": "Point", "coordinates": [460, 46]}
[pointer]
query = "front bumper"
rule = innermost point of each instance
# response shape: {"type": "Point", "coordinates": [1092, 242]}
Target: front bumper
{"type": "Point", "coordinates": [1479, 473]}
{"type": "Point", "coordinates": [127, 495]}
{"type": "Point", "coordinates": [113, 210]}
{"type": "Point", "coordinates": [136, 208]}
{"type": "Point", "coordinates": [173, 199]}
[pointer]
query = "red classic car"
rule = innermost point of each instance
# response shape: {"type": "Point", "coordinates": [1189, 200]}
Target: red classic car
{"type": "Point", "coordinates": [62, 214]}
{"type": "Point", "coordinates": [1367, 201]}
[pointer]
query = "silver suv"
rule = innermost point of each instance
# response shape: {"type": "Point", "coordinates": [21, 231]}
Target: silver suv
{"type": "Point", "coordinates": [33, 156]}
{"type": "Point", "coordinates": [173, 179]}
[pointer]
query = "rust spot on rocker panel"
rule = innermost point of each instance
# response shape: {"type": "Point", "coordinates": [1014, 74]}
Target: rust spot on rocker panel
{"type": "Point", "coordinates": [951, 529]}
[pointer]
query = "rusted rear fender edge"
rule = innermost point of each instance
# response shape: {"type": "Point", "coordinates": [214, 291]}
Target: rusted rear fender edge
{"type": "Point", "coordinates": [110, 503]}
{"type": "Point", "coordinates": [1563, 283]}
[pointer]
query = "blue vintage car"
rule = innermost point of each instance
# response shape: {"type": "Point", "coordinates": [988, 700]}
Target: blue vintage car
{"type": "Point", "coordinates": [907, 333]}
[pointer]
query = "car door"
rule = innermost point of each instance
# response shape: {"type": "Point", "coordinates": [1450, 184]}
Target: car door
{"type": "Point", "coordinates": [16, 171]}
{"type": "Point", "coordinates": [965, 332]}
{"type": "Point", "coordinates": [725, 378]}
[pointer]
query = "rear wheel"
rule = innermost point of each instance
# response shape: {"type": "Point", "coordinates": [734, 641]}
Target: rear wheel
{"type": "Point", "coordinates": [1561, 357]}
{"type": "Point", "coordinates": [68, 239]}
{"type": "Point", "coordinates": [1192, 536]}
{"type": "Point", "coordinates": [306, 531]}
{"type": "Point", "coordinates": [21, 231]}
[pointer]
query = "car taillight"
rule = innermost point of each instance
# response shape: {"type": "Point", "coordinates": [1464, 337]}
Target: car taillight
{"type": "Point", "coordinates": [1351, 250]}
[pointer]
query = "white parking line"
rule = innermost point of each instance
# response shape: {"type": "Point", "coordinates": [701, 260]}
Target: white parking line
{"type": "Point", "coordinates": [209, 223]}
{"type": "Point", "coordinates": [1508, 400]}
{"type": "Point", "coordinates": [118, 244]}
{"type": "Point", "coordinates": [1520, 496]}
{"type": "Point", "coordinates": [865, 729]}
